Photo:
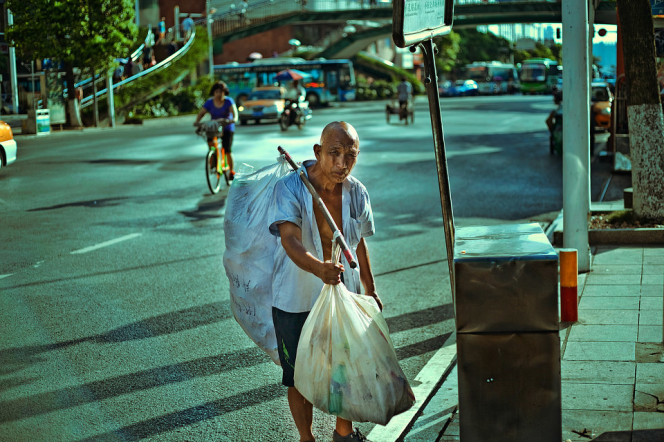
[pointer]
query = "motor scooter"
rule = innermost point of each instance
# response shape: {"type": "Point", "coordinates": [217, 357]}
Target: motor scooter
{"type": "Point", "coordinates": [295, 113]}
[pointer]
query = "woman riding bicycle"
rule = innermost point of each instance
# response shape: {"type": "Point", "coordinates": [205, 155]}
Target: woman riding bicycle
{"type": "Point", "coordinates": [223, 110]}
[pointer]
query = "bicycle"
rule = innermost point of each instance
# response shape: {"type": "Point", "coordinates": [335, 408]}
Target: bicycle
{"type": "Point", "coordinates": [216, 160]}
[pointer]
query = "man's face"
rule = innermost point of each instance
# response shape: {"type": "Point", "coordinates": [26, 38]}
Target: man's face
{"type": "Point", "coordinates": [337, 158]}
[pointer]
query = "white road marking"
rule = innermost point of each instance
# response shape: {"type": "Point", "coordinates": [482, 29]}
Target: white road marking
{"type": "Point", "coordinates": [106, 244]}
{"type": "Point", "coordinates": [4, 276]}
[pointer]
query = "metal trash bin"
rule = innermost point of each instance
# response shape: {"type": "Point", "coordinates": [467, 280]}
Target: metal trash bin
{"type": "Point", "coordinates": [508, 344]}
{"type": "Point", "coordinates": [38, 122]}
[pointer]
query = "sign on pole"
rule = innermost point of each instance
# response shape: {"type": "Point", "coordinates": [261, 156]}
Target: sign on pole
{"type": "Point", "coordinates": [414, 21]}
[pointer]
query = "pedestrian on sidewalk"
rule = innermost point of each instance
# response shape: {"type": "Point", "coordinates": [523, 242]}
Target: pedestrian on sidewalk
{"type": "Point", "coordinates": [303, 261]}
{"type": "Point", "coordinates": [187, 27]}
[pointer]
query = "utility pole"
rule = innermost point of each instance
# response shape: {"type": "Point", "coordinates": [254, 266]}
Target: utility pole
{"type": "Point", "coordinates": [208, 19]}
{"type": "Point", "coordinates": [576, 131]}
{"type": "Point", "coordinates": [12, 67]}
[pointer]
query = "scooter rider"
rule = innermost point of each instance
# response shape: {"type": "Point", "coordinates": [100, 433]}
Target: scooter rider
{"type": "Point", "coordinates": [295, 94]}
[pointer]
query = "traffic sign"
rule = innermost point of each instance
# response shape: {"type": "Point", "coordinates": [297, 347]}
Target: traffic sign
{"type": "Point", "coordinates": [414, 21]}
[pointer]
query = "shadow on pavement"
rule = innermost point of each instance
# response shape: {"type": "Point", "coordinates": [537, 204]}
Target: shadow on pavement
{"type": "Point", "coordinates": [15, 359]}
{"type": "Point", "coordinates": [108, 388]}
{"type": "Point", "coordinates": [631, 436]}
{"type": "Point", "coordinates": [183, 418]}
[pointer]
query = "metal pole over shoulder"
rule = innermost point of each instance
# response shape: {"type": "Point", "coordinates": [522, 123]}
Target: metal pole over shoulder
{"type": "Point", "coordinates": [431, 82]}
{"type": "Point", "coordinates": [338, 236]}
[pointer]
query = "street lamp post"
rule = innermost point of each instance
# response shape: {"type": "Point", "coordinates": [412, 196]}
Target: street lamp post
{"type": "Point", "coordinates": [208, 19]}
{"type": "Point", "coordinates": [12, 68]}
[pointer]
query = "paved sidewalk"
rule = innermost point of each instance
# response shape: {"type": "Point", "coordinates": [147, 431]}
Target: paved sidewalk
{"type": "Point", "coordinates": [612, 363]}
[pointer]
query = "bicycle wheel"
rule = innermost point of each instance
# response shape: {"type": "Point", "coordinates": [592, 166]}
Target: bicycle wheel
{"type": "Point", "coordinates": [213, 178]}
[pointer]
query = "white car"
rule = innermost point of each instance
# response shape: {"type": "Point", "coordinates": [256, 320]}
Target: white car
{"type": "Point", "coordinates": [7, 145]}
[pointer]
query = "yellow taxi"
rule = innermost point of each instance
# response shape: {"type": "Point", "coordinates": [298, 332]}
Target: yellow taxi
{"type": "Point", "coordinates": [7, 145]}
{"type": "Point", "coordinates": [601, 104]}
{"type": "Point", "coordinates": [264, 103]}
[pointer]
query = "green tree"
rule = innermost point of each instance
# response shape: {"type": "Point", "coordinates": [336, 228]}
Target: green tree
{"type": "Point", "coordinates": [79, 33]}
{"type": "Point", "coordinates": [478, 46]}
{"type": "Point", "coordinates": [448, 49]}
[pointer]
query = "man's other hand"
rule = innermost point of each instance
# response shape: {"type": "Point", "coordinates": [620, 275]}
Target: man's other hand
{"type": "Point", "coordinates": [329, 272]}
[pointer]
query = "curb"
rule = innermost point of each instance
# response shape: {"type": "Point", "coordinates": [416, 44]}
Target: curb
{"type": "Point", "coordinates": [427, 382]}
{"type": "Point", "coordinates": [617, 236]}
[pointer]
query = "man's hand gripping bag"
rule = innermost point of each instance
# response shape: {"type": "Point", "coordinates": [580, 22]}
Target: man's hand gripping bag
{"type": "Point", "coordinates": [346, 365]}
{"type": "Point", "coordinates": [248, 258]}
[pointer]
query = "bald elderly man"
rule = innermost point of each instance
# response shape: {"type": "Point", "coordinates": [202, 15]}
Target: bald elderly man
{"type": "Point", "coordinates": [303, 262]}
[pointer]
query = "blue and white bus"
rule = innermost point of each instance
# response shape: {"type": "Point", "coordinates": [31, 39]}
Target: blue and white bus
{"type": "Point", "coordinates": [328, 80]}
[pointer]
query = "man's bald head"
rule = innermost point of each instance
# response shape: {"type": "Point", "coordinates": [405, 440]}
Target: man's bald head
{"type": "Point", "coordinates": [340, 132]}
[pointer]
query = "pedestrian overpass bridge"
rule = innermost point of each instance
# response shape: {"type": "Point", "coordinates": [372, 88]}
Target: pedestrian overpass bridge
{"type": "Point", "coordinates": [270, 14]}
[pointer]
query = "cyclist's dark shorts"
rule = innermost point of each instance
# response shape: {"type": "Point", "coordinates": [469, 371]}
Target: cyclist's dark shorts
{"type": "Point", "coordinates": [226, 141]}
{"type": "Point", "coordinates": [288, 327]}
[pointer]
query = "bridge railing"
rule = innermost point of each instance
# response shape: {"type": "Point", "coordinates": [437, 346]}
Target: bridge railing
{"type": "Point", "coordinates": [270, 10]}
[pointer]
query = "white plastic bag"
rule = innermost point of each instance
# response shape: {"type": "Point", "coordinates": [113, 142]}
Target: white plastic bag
{"type": "Point", "coordinates": [248, 258]}
{"type": "Point", "coordinates": [346, 364]}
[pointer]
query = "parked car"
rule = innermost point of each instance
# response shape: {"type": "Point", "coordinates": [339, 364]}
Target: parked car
{"type": "Point", "coordinates": [7, 145]}
{"type": "Point", "coordinates": [465, 87]}
{"type": "Point", "coordinates": [264, 103]}
{"type": "Point", "coordinates": [601, 100]}
{"type": "Point", "coordinates": [446, 89]}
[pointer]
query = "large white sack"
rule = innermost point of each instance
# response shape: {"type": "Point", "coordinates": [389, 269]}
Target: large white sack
{"type": "Point", "coordinates": [249, 254]}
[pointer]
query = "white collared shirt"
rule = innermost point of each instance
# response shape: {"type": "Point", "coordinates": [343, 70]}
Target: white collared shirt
{"type": "Point", "coordinates": [293, 289]}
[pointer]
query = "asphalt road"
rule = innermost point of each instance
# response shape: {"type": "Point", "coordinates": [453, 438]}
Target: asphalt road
{"type": "Point", "coordinates": [114, 306]}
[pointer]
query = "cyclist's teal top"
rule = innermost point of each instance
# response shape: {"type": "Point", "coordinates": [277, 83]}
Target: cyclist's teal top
{"type": "Point", "coordinates": [221, 112]}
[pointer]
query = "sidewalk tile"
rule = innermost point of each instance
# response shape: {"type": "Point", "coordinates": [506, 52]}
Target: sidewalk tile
{"type": "Point", "coordinates": [652, 373]}
{"type": "Point", "coordinates": [647, 397]}
{"type": "Point", "coordinates": [648, 421]}
{"type": "Point", "coordinates": [597, 422]}
{"type": "Point", "coordinates": [652, 290]}
{"type": "Point", "coordinates": [604, 333]}
{"type": "Point", "coordinates": [599, 351]}
{"type": "Point", "coordinates": [653, 251]}
{"type": "Point", "coordinates": [612, 290]}
{"type": "Point", "coordinates": [609, 303]}
{"type": "Point", "coordinates": [613, 279]}
{"type": "Point", "coordinates": [608, 317]}
{"type": "Point", "coordinates": [599, 397]}
{"type": "Point", "coordinates": [651, 317]}
{"type": "Point", "coordinates": [617, 269]}
{"type": "Point", "coordinates": [652, 303]}
{"type": "Point", "coordinates": [653, 259]}
{"type": "Point", "coordinates": [620, 256]}
{"type": "Point", "coordinates": [652, 269]}
{"type": "Point", "coordinates": [650, 333]}
{"type": "Point", "coordinates": [652, 279]}
{"type": "Point", "coordinates": [598, 372]}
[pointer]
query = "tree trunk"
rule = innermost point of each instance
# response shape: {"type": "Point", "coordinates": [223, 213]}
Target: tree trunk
{"type": "Point", "coordinates": [94, 98]}
{"type": "Point", "coordinates": [644, 109]}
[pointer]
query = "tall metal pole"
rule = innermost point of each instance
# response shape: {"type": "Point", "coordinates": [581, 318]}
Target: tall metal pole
{"type": "Point", "coordinates": [138, 13]}
{"type": "Point", "coordinates": [576, 131]}
{"type": "Point", "coordinates": [111, 99]}
{"type": "Point", "coordinates": [208, 19]}
{"type": "Point", "coordinates": [431, 82]}
{"type": "Point", "coordinates": [12, 67]}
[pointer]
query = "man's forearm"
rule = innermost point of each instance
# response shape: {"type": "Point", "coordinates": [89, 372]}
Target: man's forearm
{"type": "Point", "coordinates": [366, 275]}
{"type": "Point", "coordinates": [300, 255]}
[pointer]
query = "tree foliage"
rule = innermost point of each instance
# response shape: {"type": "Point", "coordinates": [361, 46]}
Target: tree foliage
{"type": "Point", "coordinates": [76, 32]}
{"type": "Point", "coordinates": [478, 46]}
{"type": "Point", "coordinates": [448, 50]}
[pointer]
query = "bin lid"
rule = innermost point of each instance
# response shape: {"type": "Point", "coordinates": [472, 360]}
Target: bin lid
{"type": "Point", "coordinates": [515, 241]}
